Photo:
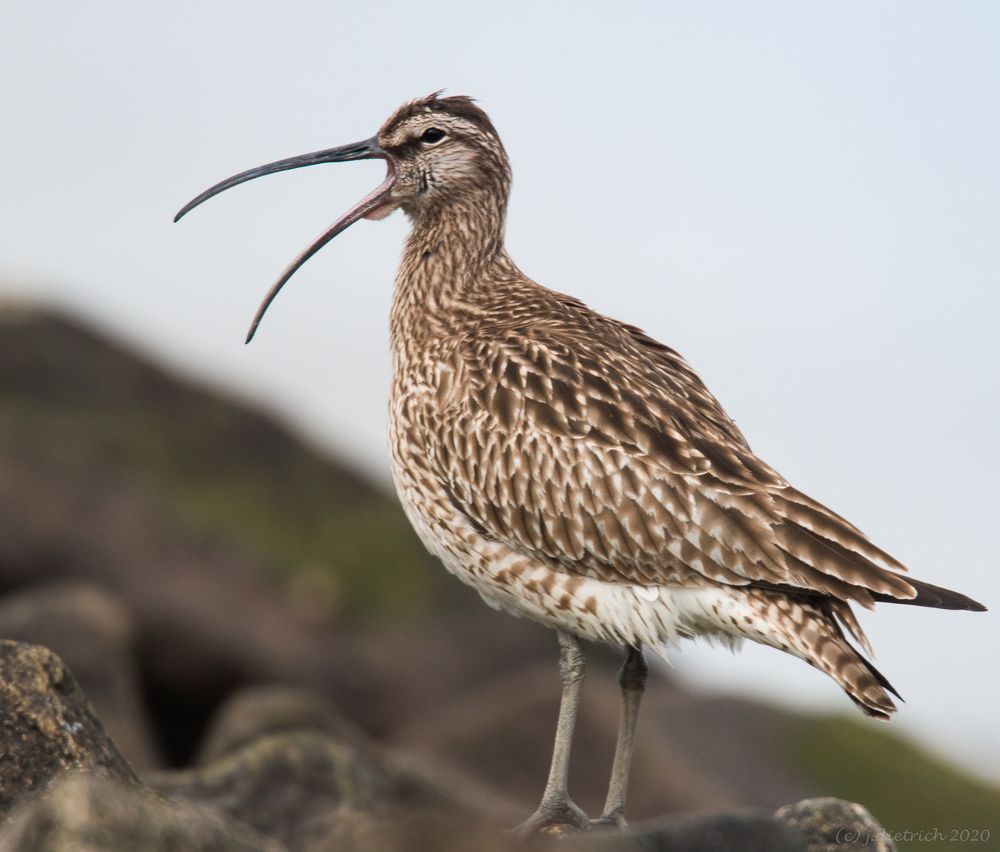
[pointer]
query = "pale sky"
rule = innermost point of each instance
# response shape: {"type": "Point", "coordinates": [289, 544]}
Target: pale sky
{"type": "Point", "coordinates": [802, 198]}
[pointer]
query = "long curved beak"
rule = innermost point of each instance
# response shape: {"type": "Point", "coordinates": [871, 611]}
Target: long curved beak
{"type": "Point", "coordinates": [369, 149]}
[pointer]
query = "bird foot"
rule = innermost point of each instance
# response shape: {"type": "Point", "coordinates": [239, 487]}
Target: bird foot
{"type": "Point", "coordinates": [611, 819]}
{"type": "Point", "coordinates": [555, 818]}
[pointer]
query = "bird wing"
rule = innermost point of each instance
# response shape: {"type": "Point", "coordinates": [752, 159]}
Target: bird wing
{"type": "Point", "coordinates": [613, 460]}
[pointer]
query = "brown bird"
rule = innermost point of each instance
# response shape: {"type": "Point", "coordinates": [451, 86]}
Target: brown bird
{"type": "Point", "coordinates": [574, 470]}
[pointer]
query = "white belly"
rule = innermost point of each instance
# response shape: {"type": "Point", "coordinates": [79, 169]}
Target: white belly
{"type": "Point", "coordinates": [599, 610]}
{"type": "Point", "coordinates": [618, 613]}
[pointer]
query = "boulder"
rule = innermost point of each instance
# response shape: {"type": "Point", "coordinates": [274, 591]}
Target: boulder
{"type": "Point", "coordinates": [207, 619]}
{"type": "Point", "coordinates": [259, 711]}
{"type": "Point", "coordinates": [812, 825]}
{"type": "Point", "coordinates": [47, 726]}
{"type": "Point", "coordinates": [91, 631]}
{"type": "Point", "coordinates": [833, 825]}
{"type": "Point", "coordinates": [95, 814]}
{"type": "Point", "coordinates": [284, 785]}
{"type": "Point", "coordinates": [348, 827]}
{"type": "Point", "coordinates": [747, 832]}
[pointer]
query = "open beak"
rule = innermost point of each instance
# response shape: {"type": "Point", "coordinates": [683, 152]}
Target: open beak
{"type": "Point", "coordinates": [376, 204]}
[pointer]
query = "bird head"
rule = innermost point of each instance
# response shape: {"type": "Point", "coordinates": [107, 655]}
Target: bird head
{"type": "Point", "coordinates": [439, 152]}
{"type": "Point", "coordinates": [444, 151]}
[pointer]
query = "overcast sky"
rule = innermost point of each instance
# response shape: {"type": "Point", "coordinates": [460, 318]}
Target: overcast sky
{"type": "Point", "coordinates": [802, 198]}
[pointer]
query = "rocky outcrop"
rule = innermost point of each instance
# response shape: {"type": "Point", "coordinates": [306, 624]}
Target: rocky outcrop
{"type": "Point", "coordinates": [47, 726]}
{"type": "Point", "coordinates": [280, 783]}
{"type": "Point", "coordinates": [833, 825]}
{"type": "Point", "coordinates": [93, 814]}
{"type": "Point", "coordinates": [284, 762]}
{"type": "Point", "coordinates": [748, 832]}
{"type": "Point", "coordinates": [233, 603]}
{"type": "Point", "coordinates": [302, 787]}
{"type": "Point", "coordinates": [259, 711]}
{"type": "Point", "coordinates": [281, 771]}
{"type": "Point", "coordinates": [92, 632]}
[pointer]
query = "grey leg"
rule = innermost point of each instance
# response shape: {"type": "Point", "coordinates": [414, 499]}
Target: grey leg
{"type": "Point", "coordinates": [557, 808]}
{"type": "Point", "coordinates": [633, 682]}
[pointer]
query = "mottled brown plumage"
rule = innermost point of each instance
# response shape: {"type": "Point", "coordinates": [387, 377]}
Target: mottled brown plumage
{"type": "Point", "coordinates": [528, 428]}
{"type": "Point", "coordinates": [576, 471]}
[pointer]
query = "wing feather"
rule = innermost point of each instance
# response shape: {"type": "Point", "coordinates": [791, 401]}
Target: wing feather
{"type": "Point", "coordinates": [616, 462]}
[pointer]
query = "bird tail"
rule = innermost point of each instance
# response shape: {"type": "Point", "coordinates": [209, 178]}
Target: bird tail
{"type": "Point", "coordinates": [864, 684]}
{"type": "Point", "coordinates": [933, 596]}
{"type": "Point", "coordinates": [814, 633]}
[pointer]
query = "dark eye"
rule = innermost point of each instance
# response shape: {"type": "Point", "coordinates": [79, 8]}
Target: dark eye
{"type": "Point", "coordinates": [432, 135]}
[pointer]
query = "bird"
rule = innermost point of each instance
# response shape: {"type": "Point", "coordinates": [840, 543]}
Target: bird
{"type": "Point", "coordinates": [574, 470]}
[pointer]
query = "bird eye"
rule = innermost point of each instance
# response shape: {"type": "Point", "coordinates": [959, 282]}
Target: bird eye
{"type": "Point", "coordinates": [432, 135]}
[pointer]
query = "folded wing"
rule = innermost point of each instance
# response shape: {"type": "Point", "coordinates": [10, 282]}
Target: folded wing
{"type": "Point", "coordinates": [616, 462]}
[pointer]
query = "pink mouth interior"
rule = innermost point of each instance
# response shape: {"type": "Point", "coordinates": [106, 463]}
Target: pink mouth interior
{"type": "Point", "coordinates": [383, 205]}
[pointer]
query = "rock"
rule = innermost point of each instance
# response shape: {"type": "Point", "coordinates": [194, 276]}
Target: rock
{"type": "Point", "coordinates": [207, 619]}
{"type": "Point", "coordinates": [833, 825]}
{"type": "Point", "coordinates": [263, 710]}
{"type": "Point", "coordinates": [276, 783]}
{"type": "Point", "coordinates": [281, 784]}
{"type": "Point", "coordinates": [47, 725]}
{"type": "Point", "coordinates": [812, 825]}
{"type": "Point", "coordinates": [350, 828]}
{"type": "Point", "coordinates": [232, 543]}
{"type": "Point", "coordinates": [91, 631]}
{"type": "Point", "coordinates": [94, 814]}
{"type": "Point", "coordinates": [747, 832]}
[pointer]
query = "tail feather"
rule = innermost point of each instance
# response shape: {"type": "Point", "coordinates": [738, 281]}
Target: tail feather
{"type": "Point", "coordinates": [933, 596]}
{"type": "Point", "coordinates": [809, 628]}
{"type": "Point", "coordinates": [864, 684]}
{"type": "Point", "coordinates": [847, 621]}
{"type": "Point", "coordinates": [813, 534]}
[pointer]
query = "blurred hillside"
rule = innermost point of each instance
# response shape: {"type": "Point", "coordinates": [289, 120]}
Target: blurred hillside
{"type": "Point", "coordinates": [177, 548]}
{"type": "Point", "coordinates": [84, 411]}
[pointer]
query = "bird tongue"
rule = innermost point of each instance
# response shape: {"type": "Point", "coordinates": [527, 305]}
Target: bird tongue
{"type": "Point", "coordinates": [380, 212]}
{"type": "Point", "coordinates": [377, 204]}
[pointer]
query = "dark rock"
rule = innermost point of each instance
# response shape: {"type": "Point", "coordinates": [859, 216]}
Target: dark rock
{"type": "Point", "coordinates": [264, 710]}
{"type": "Point", "coordinates": [812, 825]}
{"type": "Point", "coordinates": [91, 631]}
{"type": "Point", "coordinates": [232, 543]}
{"type": "Point", "coordinates": [833, 825]}
{"type": "Point", "coordinates": [282, 784]}
{"type": "Point", "coordinates": [277, 783]}
{"type": "Point", "coordinates": [207, 620]}
{"type": "Point", "coordinates": [749, 832]}
{"type": "Point", "coordinates": [350, 828]}
{"type": "Point", "coordinates": [46, 725]}
{"type": "Point", "coordinates": [93, 814]}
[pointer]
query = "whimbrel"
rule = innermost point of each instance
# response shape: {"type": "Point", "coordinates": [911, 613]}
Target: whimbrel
{"type": "Point", "coordinates": [578, 472]}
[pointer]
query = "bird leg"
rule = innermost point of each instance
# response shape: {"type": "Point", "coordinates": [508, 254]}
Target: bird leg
{"type": "Point", "coordinates": [632, 679]}
{"type": "Point", "coordinates": [556, 807]}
